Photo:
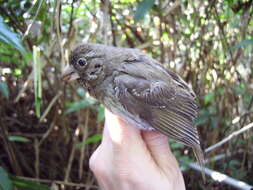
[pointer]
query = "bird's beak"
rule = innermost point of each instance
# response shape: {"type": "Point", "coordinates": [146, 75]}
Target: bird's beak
{"type": "Point", "coordinates": [69, 74]}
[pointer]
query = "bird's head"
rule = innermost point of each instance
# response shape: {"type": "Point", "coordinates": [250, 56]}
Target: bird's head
{"type": "Point", "coordinates": [86, 64]}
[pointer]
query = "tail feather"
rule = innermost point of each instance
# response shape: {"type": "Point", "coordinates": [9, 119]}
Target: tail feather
{"type": "Point", "coordinates": [200, 158]}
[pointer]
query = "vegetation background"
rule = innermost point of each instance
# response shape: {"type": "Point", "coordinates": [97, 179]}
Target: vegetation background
{"type": "Point", "coordinates": [49, 129]}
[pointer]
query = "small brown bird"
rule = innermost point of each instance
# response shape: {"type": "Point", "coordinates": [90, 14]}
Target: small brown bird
{"type": "Point", "coordinates": [139, 89]}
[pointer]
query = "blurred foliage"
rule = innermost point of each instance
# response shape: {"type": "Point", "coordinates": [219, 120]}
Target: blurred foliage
{"type": "Point", "coordinates": [18, 139]}
{"type": "Point", "coordinates": [93, 139]}
{"type": "Point", "coordinates": [6, 182]}
{"type": "Point", "coordinates": [10, 37]}
{"type": "Point", "coordinates": [28, 185]}
{"type": "Point", "coordinates": [142, 9]}
{"type": "Point", "coordinates": [9, 182]}
{"type": "Point", "coordinates": [209, 43]}
{"type": "Point", "coordinates": [4, 89]}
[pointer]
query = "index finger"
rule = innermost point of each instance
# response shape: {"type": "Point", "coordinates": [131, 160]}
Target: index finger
{"type": "Point", "coordinates": [120, 134]}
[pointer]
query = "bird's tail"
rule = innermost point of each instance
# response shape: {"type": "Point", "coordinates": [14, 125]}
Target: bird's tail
{"type": "Point", "coordinates": [200, 158]}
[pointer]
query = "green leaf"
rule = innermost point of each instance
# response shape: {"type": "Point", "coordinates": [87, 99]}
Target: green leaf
{"type": "Point", "coordinates": [209, 97]}
{"type": "Point", "coordinates": [101, 113]}
{"type": "Point", "coordinates": [176, 145]}
{"type": "Point", "coordinates": [10, 37]}
{"type": "Point", "coordinates": [243, 43]}
{"type": "Point", "coordinates": [5, 181]}
{"type": "Point", "coordinates": [4, 89]}
{"type": "Point", "coordinates": [80, 104]}
{"type": "Point", "coordinates": [234, 163]}
{"type": "Point", "coordinates": [240, 89]}
{"type": "Point", "coordinates": [142, 9]}
{"type": "Point", "coordinates": [93, 139]}
{"type": "Point", "coordinates": [28, 185]}
{"type": "Point", "coordinates": [81, 92]}
{"type": "Point", "coordinates": [185, 160]}
{"type": "Point", "coordinates": [18, 139]}
{"type": "Point", "coordinates": [200, 120]}
{"type": "Point", "coordinates": [214, 122]}
{"type": "Point", "coordinates": [37, 66]}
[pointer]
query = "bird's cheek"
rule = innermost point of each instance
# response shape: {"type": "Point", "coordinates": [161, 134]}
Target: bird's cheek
{"type": "Point", "coordinates": [83, 76]}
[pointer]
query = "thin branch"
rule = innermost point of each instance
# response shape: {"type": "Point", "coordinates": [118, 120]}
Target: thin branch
{"type": "Point", "coordinates": [56, 182]}
{"type": "Point", "coordinates": [50, 105]}
{"type": "Point", "coordinates": [232, 135]}
{"type": "Point", "coordinates": [105, 21]}
{"type": "Point", "coordinates": [71, 17]}
{"type": "Point", "coordinates": [33, 21]}
{"type": "Point", "coordinates": [37, 158]}
{"type": "Point", "coordinates": [171, 8]}
{"type": "Point", "coordinates": [26, 84]}
{"type": "Point", "coordinates": [135, 32]}
{"type": "Point", "coordinates": [214, 159]}
{"type": "Point", "coordinates": [72, 155]}
{"type": "Point", "coordinates": [9, 149]}
{"type": "Point", "coordinates": [222, 178]}
{"type": "Point", "coordinates": [84, 131]}
{"type": "Point", "coordinates": [48, 131]}
{"type": "Point", "coordinates": [113, 28]}
{"type": "Point", "coordinates": [247, 113]}
{"type": "Point", "coordinates": [58, 31]}
{"type": "Point", "coordinates": [160, 15]}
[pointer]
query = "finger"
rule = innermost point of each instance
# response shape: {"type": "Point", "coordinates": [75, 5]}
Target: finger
{"type": "Point", "coordinates": [159, 148]}
{"type": "Point", "coordinates": [94, 159]}
{"type": "Point", "coordinates": [120, 133]}
{"type": "Point", "coordinates": [101, 167]}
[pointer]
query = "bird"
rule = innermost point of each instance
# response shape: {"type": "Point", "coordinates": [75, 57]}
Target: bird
{"type": "Point", "coordinates": [136, 87]}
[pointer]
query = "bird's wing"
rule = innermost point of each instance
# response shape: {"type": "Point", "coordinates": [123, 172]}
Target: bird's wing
{"type": "Point", "coordinates": [168, 108]}
{"type": "Point", "coordinates": [154, 71]}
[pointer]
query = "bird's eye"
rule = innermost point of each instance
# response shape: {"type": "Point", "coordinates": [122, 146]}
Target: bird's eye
{"type": "Point", "coordinates": [82, 62]}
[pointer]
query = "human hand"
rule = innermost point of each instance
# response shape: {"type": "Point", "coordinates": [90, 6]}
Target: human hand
{"type": "Point", "coordinates": [130, 159]}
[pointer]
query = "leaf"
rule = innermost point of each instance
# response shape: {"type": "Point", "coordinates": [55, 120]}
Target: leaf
{"type": "Point", "coordinates": [185, 160]}
{"type": "Point", "coordinates": [201, 120]}
{"type": "Point", "coordinates": [4, 89]}
{"type": "Point", "coordinates": [101, 113]}
{"type": "Point", "coordinates": [80, 104]}
{"type": "Point", "coordinates": [93, 139]}
{"type": "Point", "coordinates": [81, 92]}
{"type": "Point", "coordinates": [5, 181]}
{"type": "Point", "coordinates": [10, 37]}
{"type": "Point", "coordinates": [37, 79]}
{"type": "Point", "coordinates": [28, 185]}
{"type": "Point", "coordinates": [175, 145]}
{"type": "Point", "coordinates": [209, 97]}
{"type": "Point", "coordinates": [214, 122]}
{"type": "Point", "coordinates": [240, 89]}
{"type": "Point", "coordinates": [18, 139]}
{"type": "Point", "coordinates": [234, 163]}
{"type": "Point", "coordinates": [142, 9]}
{"type": "Point", "coordinates": [243, 43]}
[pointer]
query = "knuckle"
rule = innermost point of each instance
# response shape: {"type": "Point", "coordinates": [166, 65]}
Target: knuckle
{"type": "Point", "coordinates": [125, 171]}
{"type": "Point", "coordinates": [127, 179]}
{"type": "Point", "coordinates": [98, 168]}
{"type": "Point", "coordinates": [95, 164]}
{"type": "Point", "coordinates": [92, 162]}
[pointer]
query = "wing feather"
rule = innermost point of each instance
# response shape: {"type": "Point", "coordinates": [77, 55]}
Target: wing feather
{"type": "Point", "coordinates": [181, 129]}
{"type": "Point", "coordinates": [165, 108]}
{"type": "Point", "coordinates": [168, 107]}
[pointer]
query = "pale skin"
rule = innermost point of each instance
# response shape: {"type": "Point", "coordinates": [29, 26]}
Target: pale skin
{"type": "Point", "coordinates": [128, 159]}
